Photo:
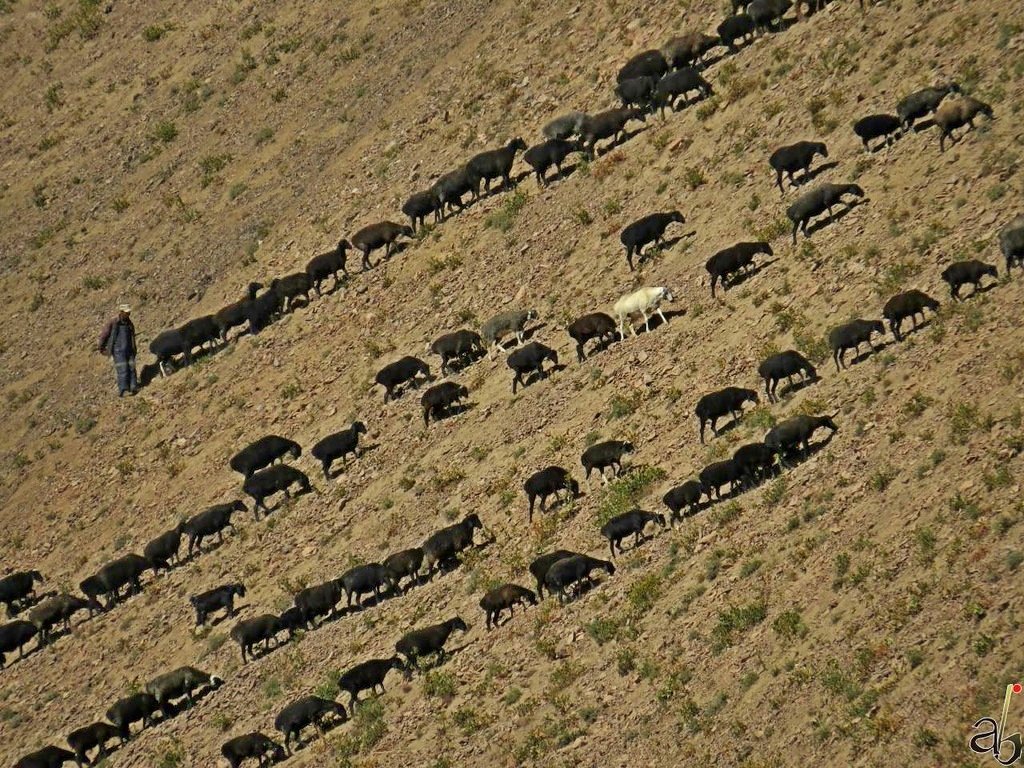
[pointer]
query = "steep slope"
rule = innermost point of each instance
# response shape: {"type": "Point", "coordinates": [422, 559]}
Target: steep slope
{"type": "Point", "coordinates": [863, 604]}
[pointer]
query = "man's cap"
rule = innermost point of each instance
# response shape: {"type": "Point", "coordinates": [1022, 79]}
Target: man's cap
{"type": "Point", "coordinates": [124, 308]}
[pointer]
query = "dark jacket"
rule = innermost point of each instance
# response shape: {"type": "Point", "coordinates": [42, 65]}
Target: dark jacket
{"type": "Point", "coordinates": [118, 338]}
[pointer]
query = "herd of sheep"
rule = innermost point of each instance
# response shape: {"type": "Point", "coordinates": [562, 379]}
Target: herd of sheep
{"type": "Point", "coordinates": [652, 80]}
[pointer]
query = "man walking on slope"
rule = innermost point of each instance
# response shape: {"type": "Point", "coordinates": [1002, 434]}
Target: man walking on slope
{"type": "Point", "coordinates": [118, 341]}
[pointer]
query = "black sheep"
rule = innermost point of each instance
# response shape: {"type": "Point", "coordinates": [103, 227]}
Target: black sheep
{"type": "Point", "coordinates": [405, 563]}
{"type": "Point", "coordinates": [369, 675]}
{"type": "Point", "coordinates": [380, 235]}
{"type": "Point", "coordinates": [132, 709]}
{"type": "Point", "coordinates": [1011, 243]}
{"type": "Point", "coordinates": [529, 359]}
{"type": "Point", "coordinates": [269, 481]}
{"type": "Point", "coordinates": [850, 336]}
{"type": "Point", "coordinates": [795, 157]}
{"type": "Point", "coordinates": [259, 629]}
{"type": "Point", "coordinates": [319, 600]}
{"type": "Point", "coordinates": [443, 546]}
{"type": "Point", "coordinates": [420, 205]}
{"type": "Point", "coordinates": [755, 462]}
{"type": "Point", "coordinates": [161, 550]}
{"type": "Point", "coordinates": [181, 682]}
{"type": "Point", "coordinates": [542, 156]}
{"type": "Point", "coordinates": [439, 399]}
{"type": "Point", "coordinates": [290, 287]}
{"type": "Point", "coordinates": [53, 611]}
{"type": "Point", "coordinates": [125, 571]}
{"type": "Point", "coordinates": [645, 64]}
{"type": "Point", "coordinates": [92, 736]}
{"type": "Point", "coordinates": [93, 589]}
{"type": "Point", "coordinates": [607, 125]}
{"type": "Point", "coordinates": [602, 455]}
{"type": "Point", "coordinates": [717, 474]}
{"type": "Point", "coordinates": [723, 402]}
{"type": "Point", "coordinates": [262, 310]}
{"type": "Point", "coordinates": [17, 588]}
{"type": "Point", "coordinates": [402, 371]}
{"type": "Point", "coordinates": [166, 345]}
{"type": "Point", "coordinates": [735, 258]}
{"type": "Point", "coordinates": [214, 599]}
{"type": "Point", "coordinates": [236, 313]}
{"type": "Point", "coordinates": [264, 749]}
{"type": "Point", "coordinates": [596, 325]}
{"type": "Point", "coordinates": [568, 571]}
{"type": "Point", "coordinates": [637, 92]}
{"type": "Point", "coordinates": [309, 710]}
{"type": "Point", "coordinates": [680, 83]}
{"type": "Point", "coordinates": [649, 229]}
{"type": "Point", "coordinates": [505, 596]}
{"type": "Point", "coordinates": [549, 481]}
{"type": "Point", "coordinates": [739, 27]}
{"type": "Point", "coordinates": [14, 636]}
{"type": "Point", "coordinates": [371, 577]}
{"type": "Point", "coordinates": [784, 365]}
{"type": "Point", "coordinates": [633, 522]}
{"type": "Point", "coordinates": [540, 567]}
{"type": "Point", "coordinates": [767, 14]}
{"type": "Point", "coordinates": [463, 346]}
{"type": "Point", "coordinates": [200, 331]}
{"type": "Point", "coordinates": [876, 127]}
{"type": "Point", "coordinates": [686, 495]}
{"type": "Point", "coordinates": [923, 102]}
{"type": "Point", "coordinates": [495, 163]}
{"type": "Point", "coordinates": [907, 304]}
{"type": "Point", "coordinates": [816, 202]}
{"type": "Point", "coordinates": [338, 446]}
{"type": "Point", "coordinates": [290, 621]}
{"type": "Point", "coordinates": [795, 433]}
{"type": "Point", "coordinates": [262, 453]}
{"type": "Point", "coordinates": [971, 271]}
{"type": "Point", "coordinates": [328, 264]}
{"type": "Point", "coordinates": [423, 642]}
{"type": "Point", "coordinates": [208, 522]}
{"type": "Point", "coordinates": [47, 757]}
{"type": "Point", "coordinates": [452, 186]}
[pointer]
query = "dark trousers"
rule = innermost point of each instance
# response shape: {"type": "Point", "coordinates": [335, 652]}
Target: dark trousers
{"type": "Point", "coordinates": [127, 380]}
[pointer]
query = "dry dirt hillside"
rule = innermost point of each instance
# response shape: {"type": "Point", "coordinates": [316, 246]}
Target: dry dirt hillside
{"type": "Point", "coordinates": [862, 609]}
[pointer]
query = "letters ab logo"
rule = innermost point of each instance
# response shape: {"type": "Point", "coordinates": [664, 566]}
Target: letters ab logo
{"type": "Point", "coordinates": [991, 737]}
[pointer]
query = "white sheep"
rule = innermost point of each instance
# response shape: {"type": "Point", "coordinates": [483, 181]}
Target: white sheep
{"type": "Point", "coordinates": [505, 323]}
{"type": "Point", "coordinates": [643, 301]}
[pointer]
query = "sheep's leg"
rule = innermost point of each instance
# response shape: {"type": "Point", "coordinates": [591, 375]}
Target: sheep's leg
{"type": "Point", "coordinates": [663, 320]}
{"type": "Point", "coordinates": [647, 321]}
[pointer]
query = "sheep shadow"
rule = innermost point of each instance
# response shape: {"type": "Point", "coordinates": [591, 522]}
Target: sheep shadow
{"type": "Point", "coordinates": [452, 411]}
{"type": "Point", "coordinates": [742, 277]}
{"type": "Point", "coordinates": [285, 500]}
{"type": "Point", "coordinates": [890, 140]}
{"type": "Point", "coordinates": [537, 376]}
{"type": "Point", "coordinates": [835, 218]}
{"type": "Point", "coordinates": [787, 389]}
{"type": "Point", "coordinates": [324, 727]}
{"type": "Point", "coordinates": [655, 322]}
{"type": "Point", "coordinates": [624, 137]}
{"type": "Point", "coordinates": [976, 292]}
{"type": "Point", "coordinates": [814, 173]}
{"type": "Point", "coordinates": [860, 357]}
{"type": "Point", "coordinates": [211, 623]}
{"type": "Point", "coordinates": [794, 459]}
{"type": "Point", "coordinates": [565, 173]}
{"type": "Point", "coordinates": [710, 61]}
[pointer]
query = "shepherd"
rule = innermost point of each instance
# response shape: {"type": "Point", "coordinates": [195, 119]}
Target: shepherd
{"type": "Point", "coordinates": [118, 341]}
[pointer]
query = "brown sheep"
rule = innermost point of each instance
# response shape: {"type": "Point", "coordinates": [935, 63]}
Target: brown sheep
{"type": "Point", "coordinates": [955, 114]}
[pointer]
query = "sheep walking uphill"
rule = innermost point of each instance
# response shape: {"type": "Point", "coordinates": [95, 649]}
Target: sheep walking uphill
{"type": "Point", "coordinates": [645, 64]}
{"type": "Point", "coordinates": [405, 563]}
{"type": "Point", "coordinates": [736, 28]}
{"type": "Point", "coordinates": [818, 201]}
{"type": "Point", "coordinates": [235, 314]}
{"type": "Point", "coordinates": [507, 596]}
{"type": "Point", "coordinates": [462, 347]}
{"type": "Point", "coordinates": [338, 446]}
{"type": "Point", "coordinates": [17, 589]}
{"type": "Point", "coordinates": [608, 125]}
{"type": "Point", "coordinates": [423, 642]}
{"type": "Point", "coordinates": [688, 49]}
{"type": "Point", "coordinates": [496, 163]}
{"type": "Point", "coordinates": [907, 304]}
{"type": "Point", "coordinates": [649, 229]}
{"type": "Point", "coordinates": [542, 156]}
{"type": "Point", "coordinates": [888, 127]}
{"type": "Point", "coordinates": [406, 370]}
{"type": "Point", "coordinates": [328, 264]}
{"type": "Point", "coordinates": [785, 365]}
{"type": "Point", "coordinates": [794, 434]}
{"type": "Point", "coordinates": [766, 15]}
{"type": "Point", "coordinates": [262, 453]}
{"type": "Point", "coordinates": [166, 345]}
{"type": "Point", "coordinates": [956, 114]}
{"type": "Point", "coordinates": [160, 551]}
{"type": "Point", "coordinates": [442, 548]}
{"type": "Point", "coordinates": [571, 571]}
{"type": "Point", "coordinates": [250, 632]}
{"type": "Point", "coordinates": [380, 235]}
{"type": "Point", "coordinates": [754, 462]}
{"type": "Point", "coordinates": [14, 636]}
{"type": "Point", "coordinates": [795, 157]}
{"type": "Point", "coordinates": [600, 456]}
{"type": "Point", "coordinates": [255, 745]}
{"type": "Point", "coordinates": [366, 578]}
{"type": "Point", "coordinates": [530, 360]}
{"type": "Point", "coordinates": [367, 676]}
{"type": "Point", "coordinates": [318, 601]}
{"type": "Point", "coordinates": [717, 474]}
{"type": "Point", "coordinates": [850, 336]}
{"type": "Point", "coordinates": [222, 597]}
{"type": "Point", "coordinates": [420, 205]}
{"type": "Point", "coordinates": [540, 566]}
{"type": "Point", "coordinates": [626, 524]}
{"type": "Point", "coordinates": [549, 481]}
{"type": "Point", "coordinates": [209, 522]}
{"type": "Point", "coordinates": [267, 482]}
{"type": "Point", "coordinates": [437, 402]}
{"type": "Point", "coordinates": [564, 126]}
{"type": "Point", "coordinates": [47, 757]}
{"type": "Point", "coordinates": [686, 495]}
{"type": "Point", "coordinates": [301, 713]}
{"type": "Point", "coordinates": [503, 324]}
{"type": "Point", "coordinates": [452, 186]}
{"type": "Point", "coordinates": [596, 325]}
{"type": "Point", "coordinates": [680, 83]}
{"type": "Point", "coordinates": [181, 682]}
{"type": "Point", "coordinates": [923, 102]}
{"type": "Point", "coordinates": [970, 272]}
{"type": "Point", "coordinates": [93, 736]}
{"type": "Point", "coordinates": [643, 302]}
{"type": "Point", "coordinates": [291, 287]}
{"type": "Point", "coordinates": [1011, 243]}
{"type": "Point", "coordinates": [637, 92]}
{"type": "Point", "coordinates": [735, 258]}
{"type": "Point", "coordinates": [723, 402]}
{"type": "Point", "coordinates": [138, 707]}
